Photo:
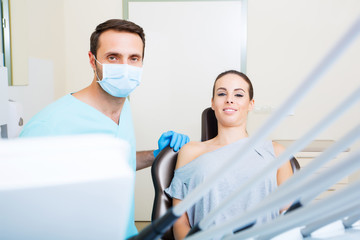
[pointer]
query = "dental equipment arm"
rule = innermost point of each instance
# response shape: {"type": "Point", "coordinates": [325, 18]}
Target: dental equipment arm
{"type": "Point", "coordinates": [310, 187]}
{"type": "Point", "coordinates": [329, 217]}
{"type": "Point", "coordinates": [303, 215]}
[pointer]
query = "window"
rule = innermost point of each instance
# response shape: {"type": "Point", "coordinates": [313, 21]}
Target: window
{"type": "Point", "coordinates": [5, 37]}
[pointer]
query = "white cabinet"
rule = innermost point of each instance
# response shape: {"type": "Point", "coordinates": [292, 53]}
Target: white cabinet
{"type": "Point", "coordinates": [305, 158]}
{"type": "Point", "coordinates": [313, 150]}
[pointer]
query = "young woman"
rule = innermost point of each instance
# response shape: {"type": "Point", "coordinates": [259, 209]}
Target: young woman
{"type": "Point", "coordinates": [232, 100]}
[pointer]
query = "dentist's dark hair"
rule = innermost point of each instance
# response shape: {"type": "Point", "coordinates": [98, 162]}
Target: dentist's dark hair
{"type": "Point", "coordinates": [240, 74]}
{"type": "Point", "coordinates": [117, 25]}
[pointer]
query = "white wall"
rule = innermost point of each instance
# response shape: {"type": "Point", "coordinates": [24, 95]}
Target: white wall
{"type": "Point", "coordinates": [286, 40]}
{"type": "Point", "coordinates": [81, 18]}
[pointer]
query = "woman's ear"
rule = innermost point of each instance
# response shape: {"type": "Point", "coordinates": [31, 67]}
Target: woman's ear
{"type": "Point", "coordinates": [251, 104]}
{"type": "Point", "coordinates": [212, 103]}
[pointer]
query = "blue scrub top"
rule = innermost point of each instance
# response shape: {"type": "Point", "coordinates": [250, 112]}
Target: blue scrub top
{"type": "Point", "coordinates": [70, 116]}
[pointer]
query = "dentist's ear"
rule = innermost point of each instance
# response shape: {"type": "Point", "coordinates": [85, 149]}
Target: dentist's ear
{"type": "Point", "coordinates": [92, 60]}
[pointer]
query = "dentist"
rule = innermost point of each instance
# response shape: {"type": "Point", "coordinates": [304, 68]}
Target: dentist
{"type": "Point", "coordinates": [116, 57]}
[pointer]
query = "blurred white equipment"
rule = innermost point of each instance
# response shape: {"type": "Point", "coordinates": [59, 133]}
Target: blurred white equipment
{"type": "Point", "coordinates": [15, 122]}
{"type": "Point", "coordinates": [70, 187]}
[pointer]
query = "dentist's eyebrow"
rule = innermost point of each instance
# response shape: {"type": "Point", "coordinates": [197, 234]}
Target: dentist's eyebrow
{"type": "Point", "coordinates": [112, 53]}
{"type": "Point", "coordinates": [136, 55]}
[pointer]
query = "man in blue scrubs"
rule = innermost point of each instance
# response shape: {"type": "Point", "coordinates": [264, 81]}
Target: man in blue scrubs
{"type": "Point", "coordinates": [116, 57]}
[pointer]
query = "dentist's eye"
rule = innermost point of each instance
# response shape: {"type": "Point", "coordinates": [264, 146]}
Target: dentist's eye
{"type": "Point", "coordinates": [112, 58]}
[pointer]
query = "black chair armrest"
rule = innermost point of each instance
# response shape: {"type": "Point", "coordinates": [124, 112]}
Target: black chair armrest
{"type": "Point", "coordinates": [162, 172]}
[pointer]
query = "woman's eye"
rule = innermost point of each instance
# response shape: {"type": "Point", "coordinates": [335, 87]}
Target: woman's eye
{"type": "Point", "coordinates": [239, 95]}
{"type": "Point", "coordinates": [221, 94]}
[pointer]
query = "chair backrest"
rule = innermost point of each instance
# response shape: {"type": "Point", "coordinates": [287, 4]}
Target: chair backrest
{"type": "Point", "coordinates": [162, 170]}
{"type": "Point", "coordinates": [209, 127]}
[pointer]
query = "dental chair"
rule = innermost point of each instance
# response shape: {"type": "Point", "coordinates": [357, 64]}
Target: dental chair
{"type": "Point", "coordinates": [162, 170]}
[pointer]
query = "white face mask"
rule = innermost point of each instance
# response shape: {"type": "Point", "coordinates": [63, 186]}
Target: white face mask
{"type": "Point", "coordinates": [119, 80]}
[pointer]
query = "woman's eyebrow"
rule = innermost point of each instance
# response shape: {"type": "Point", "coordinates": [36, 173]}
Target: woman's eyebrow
{"type": "Point", "coordinates": [221, 88]}
{"type": "Point", "coordinates": [239, 89]}
{"type": "Point", "coordinates": [236, 89]}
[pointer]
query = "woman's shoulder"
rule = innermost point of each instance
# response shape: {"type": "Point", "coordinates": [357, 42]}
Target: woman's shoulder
{"type": "Point", "coordinates": [278, 148]}
{"type": "Point", "coordinates": [189, 152]}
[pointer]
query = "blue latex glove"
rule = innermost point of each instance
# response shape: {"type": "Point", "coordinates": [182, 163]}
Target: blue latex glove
{"type": "Point", "coordinates": [172, 139]}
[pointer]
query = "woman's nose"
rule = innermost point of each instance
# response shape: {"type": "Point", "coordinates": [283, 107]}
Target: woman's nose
{"type": "Point", "coordinates": [229, 100]}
